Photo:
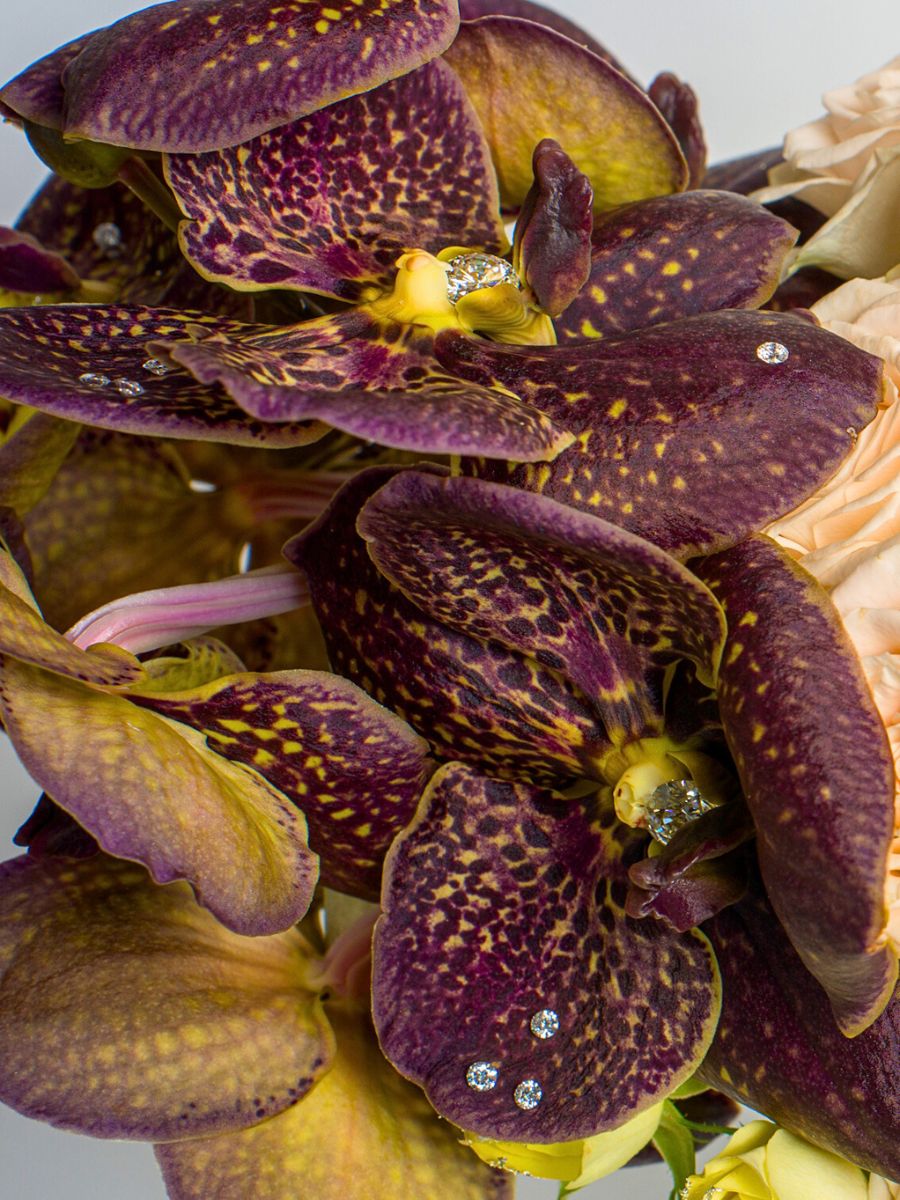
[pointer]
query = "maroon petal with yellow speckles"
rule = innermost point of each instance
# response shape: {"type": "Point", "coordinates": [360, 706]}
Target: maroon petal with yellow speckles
{"type": "Point", "coordinates": [353, 768]}
{"type": "Point", "coordinates": [178, 1027]}
{"type": "Point", "coordinates": [472, 699]}
{"type": "Point", "coordinates": [37, 94]}
{"type": "Point", "coordinates": [677, 101]}
{"type": "Point", "coordinates": [816, 768]}
{"type": "Point", "coordinates": [778, 1049]}
{"type": "Point", "coordinates": [471, 10]}
{"type": "Point", "coordinates": [675, 256]}
{"type": "Point", "coordinates": [691, 434]}
{"type": "Point", "coordinates": [195, 75]}
{"type": "Point", "coordinates": [86, 363]}
{"type": "Point", "coordinates": [605, 609]}
{"type": "Point", "coordinates": [552, 248]}
{"type": "Point", "coordinates": [25, 266]}
{"type": "Point", "coordinates": [377, 379]}
{"type": "Point", "coordinates": [519, 76]}
{"type": "Point", "coordinates": [327, 204]}
{"type": "Point", "coordinates": [499, 905]}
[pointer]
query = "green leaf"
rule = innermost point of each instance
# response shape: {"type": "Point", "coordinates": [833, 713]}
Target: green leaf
{"type": "Point", "coordinates": [674, 1141]}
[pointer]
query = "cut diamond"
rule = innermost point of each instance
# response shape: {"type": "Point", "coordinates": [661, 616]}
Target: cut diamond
{"type": "Point", "coordinates": [482, 1076]}
{"type": "Point", "coordinates": [156, 366]}
{"type": "Point", "coordinates": [772, 352]}
{"type": "Point", "coordinates": [108, 238]}
{"type": "Point", "coordinates": [92, 379]}
{"type": "Point", "coordinates": [672, 806]}
{"type": "Point", "coordinates": [545, 1024]}
{"type": "Point", "coordinates": [528, 1094]}
{"type": "Point", "coordinates": [469, 272]}
{"type": "Point", "coordinates": [128, 387]}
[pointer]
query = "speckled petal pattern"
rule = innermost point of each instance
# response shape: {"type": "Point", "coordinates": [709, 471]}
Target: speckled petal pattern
{"type": "Point", "coordinates": [675, 256]}
{"type": "Point", "coordinates": [354, 769]}
{"type": "Point", "coordinates": [816, 768]}
{"type": "Point", "coordinates": [37, 94]}
{"type": "Point", "coordinates": [498, 904]}
{"type": "Point", "coordinates": [127, 1011]}
{"type": "Point", "coordinates": [685, 435]}
{"type": "Point", "coordinates": [194, 75]}
{"type": "Point", "coordinates": [387, 1143]}
{"type": "Point", "coordinates": [519, 76]}
{"type": "Point", "coordinates": [328, 203]}
{"type": "Point", "coordinates": [46, 352]}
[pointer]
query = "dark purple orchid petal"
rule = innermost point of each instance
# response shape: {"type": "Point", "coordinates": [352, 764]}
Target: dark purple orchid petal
{"type": "Point", "coordinates": [109, 237]}
{"type": "Point", "coordinates": [552, 250]}
{"type": "Point", "coordinates": [471, 10]}
{"type": "Point", "coordinates": [328, 203]}
{"type": "Point", "coordinates": [745, 174]}
{"type": "Point", "coordinates": [606, 610]}
{"type": "Point", "coordinates": [178, 1027]}
{"type": "Point", "coordinates": [802, 289]}
{"type": "Point", "coordinates": [354, 769]}
{"type": "Point", "coordinates": [49, 830]}
{"type": "Point", "coordinates": [816, 769]}
{"type": "Point", "coordinates": [677, 101]}
{"type": "Point", "coordinates": [86, 363]}
{"type": "Point", "coordinates": [374, 378]}
{"type": "Point", "coordinates": [195, 75]}
{"type": "Point", "coordinates": [674, 257]}
{"type": "Point", "coordinates": [779, 1050]}
{"type": "Point", "coordinates": [519, 76]}
{"type": "Point", "coordinates": [472, 699]}
{"type": "Point", "coordinates": [25, 266]}
{"type": "Point", "coordinates": [499, 905]}
{"type": "Point", "coordinates": [37, 94]}
{"type": "Point", "coordinates": [690, 434]}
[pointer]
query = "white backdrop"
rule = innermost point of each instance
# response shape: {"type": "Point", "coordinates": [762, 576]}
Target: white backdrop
{"type": "Point", "coordinates": [759, 68]}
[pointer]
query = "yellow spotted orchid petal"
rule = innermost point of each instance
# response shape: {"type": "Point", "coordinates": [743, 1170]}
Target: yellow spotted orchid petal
{"type": "Point", "coordinates": [384, 1139]}
{"type": "Point", "coordinates": [126, 1010]}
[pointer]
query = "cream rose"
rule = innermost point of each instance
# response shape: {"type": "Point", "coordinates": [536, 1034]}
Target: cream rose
{"type": "Point", "coordinates": [763, 1162]}
{"type": "Point", "coordinates": [848, 534]}
{"type": "Point", "coordinates": [847, 165]}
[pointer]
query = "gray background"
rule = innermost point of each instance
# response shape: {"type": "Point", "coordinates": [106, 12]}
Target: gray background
{"type": "Point", "coordinates": [759, 68]}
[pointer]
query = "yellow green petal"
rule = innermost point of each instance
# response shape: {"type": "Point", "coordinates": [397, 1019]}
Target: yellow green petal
{"type": "Point", "coordinates": [798, 1170]}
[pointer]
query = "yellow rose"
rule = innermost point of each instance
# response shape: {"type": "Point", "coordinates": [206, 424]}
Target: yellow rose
{"type": "Point", "coordinates": [847, 165]}
{"type": "Point", "coordinates": [763, 1162]}
{"type": "Point", "coordinates": [848, 534]}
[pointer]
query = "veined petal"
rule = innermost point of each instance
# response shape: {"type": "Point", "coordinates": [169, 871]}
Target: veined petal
{"type": "Point", "coordinates": [471, 10]}
{"type": "Point", "coordinates": [779, 1050]}
{"type": "Point", "coordinates": [499, 904]}
{"type": "Point", "coordinates": [25, 266]}
{"type": "Point", "coordinates": [354, 769]}
{"type": "Point", "coordinates": [816, 768]}
{"type": "Point", "coordinates": [519, 78]}
{"type": "Point", "coordinates": [85, 363]}
{"type": "Point", "coordinates": [473, 699]}
{"type": "Point", "coordinates": [30, 457]}
{"type": "Point", "coordinates": [195, 75]}
{"type": "Point", "coordinates": [673, 257]}
{"type": "Point", "coordinates": [328, 203]}
{"type": "Point", "coordinates": [606, 610]}
{"type": "Point", "coordinates": [37, 94]}
{"type": "Point", "coordinates": [387, 1142]}
{"type": "Point", "coordinates": [685, 435]}
{"type": "Point", "coordinates": [127, 1011]}
{"type": "Point", "coordinates": [149, 789]}
{"type": "Point", "coordinates": [375, 378]}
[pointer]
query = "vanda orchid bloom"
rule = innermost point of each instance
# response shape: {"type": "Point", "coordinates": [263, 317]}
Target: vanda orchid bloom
{"type": "Point", "coordinates": [604, 756]}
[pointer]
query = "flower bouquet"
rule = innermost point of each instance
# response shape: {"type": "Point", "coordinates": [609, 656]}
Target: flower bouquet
{"type": "Point", "coordinates": [449, 587]}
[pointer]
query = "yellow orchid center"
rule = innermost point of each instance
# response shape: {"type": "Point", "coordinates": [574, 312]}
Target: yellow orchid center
{"type": "Point", "coordinates": [469, 291]}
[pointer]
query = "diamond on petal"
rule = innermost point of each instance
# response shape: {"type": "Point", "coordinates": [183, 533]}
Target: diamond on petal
{"type": "Point", "coordinates": [128, 387]}
{"type": "Point", "coordinates": [528, 1094]}
{"type": "Point", "coordinates": [93, 379]}
{"type": "Point", "coordinates": [155, 366]}
{"type": "Point", "coordinates": [482, 1076]}
{"type": "Point", "coordinates": [469, 272]}
{"type": "Point", "coordinates": [108, 238]}
{"type": "Point", "coordinates": [672, 806]}
{"type": "Point", "coordinates": [544, 1024]}
{"type": "Point", "coordinates": [772, 352]}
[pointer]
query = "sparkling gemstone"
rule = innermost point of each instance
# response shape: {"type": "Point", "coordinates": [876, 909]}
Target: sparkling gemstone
{"type": "Point", "coordinates": [128, 387]}
{"type": "Point", "coordinates": [108, 237]}
{"type": "Point", "coordinates": [772, 352]}
{"type": "Point", "coordinates": [482, 1076]}
{"type": "Point", "coordinates": [92, 379]}
{"type": "Point", "coordinates": [672, 806]}
{"type": "Point", "coordinates": [469, 272]}
{"type": "Point", "coordinates": [155, 366]}
{"type": "Point", "coordinates": [528, 1094]}
{"type": "Point", "coordinates": [544, 1024]}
